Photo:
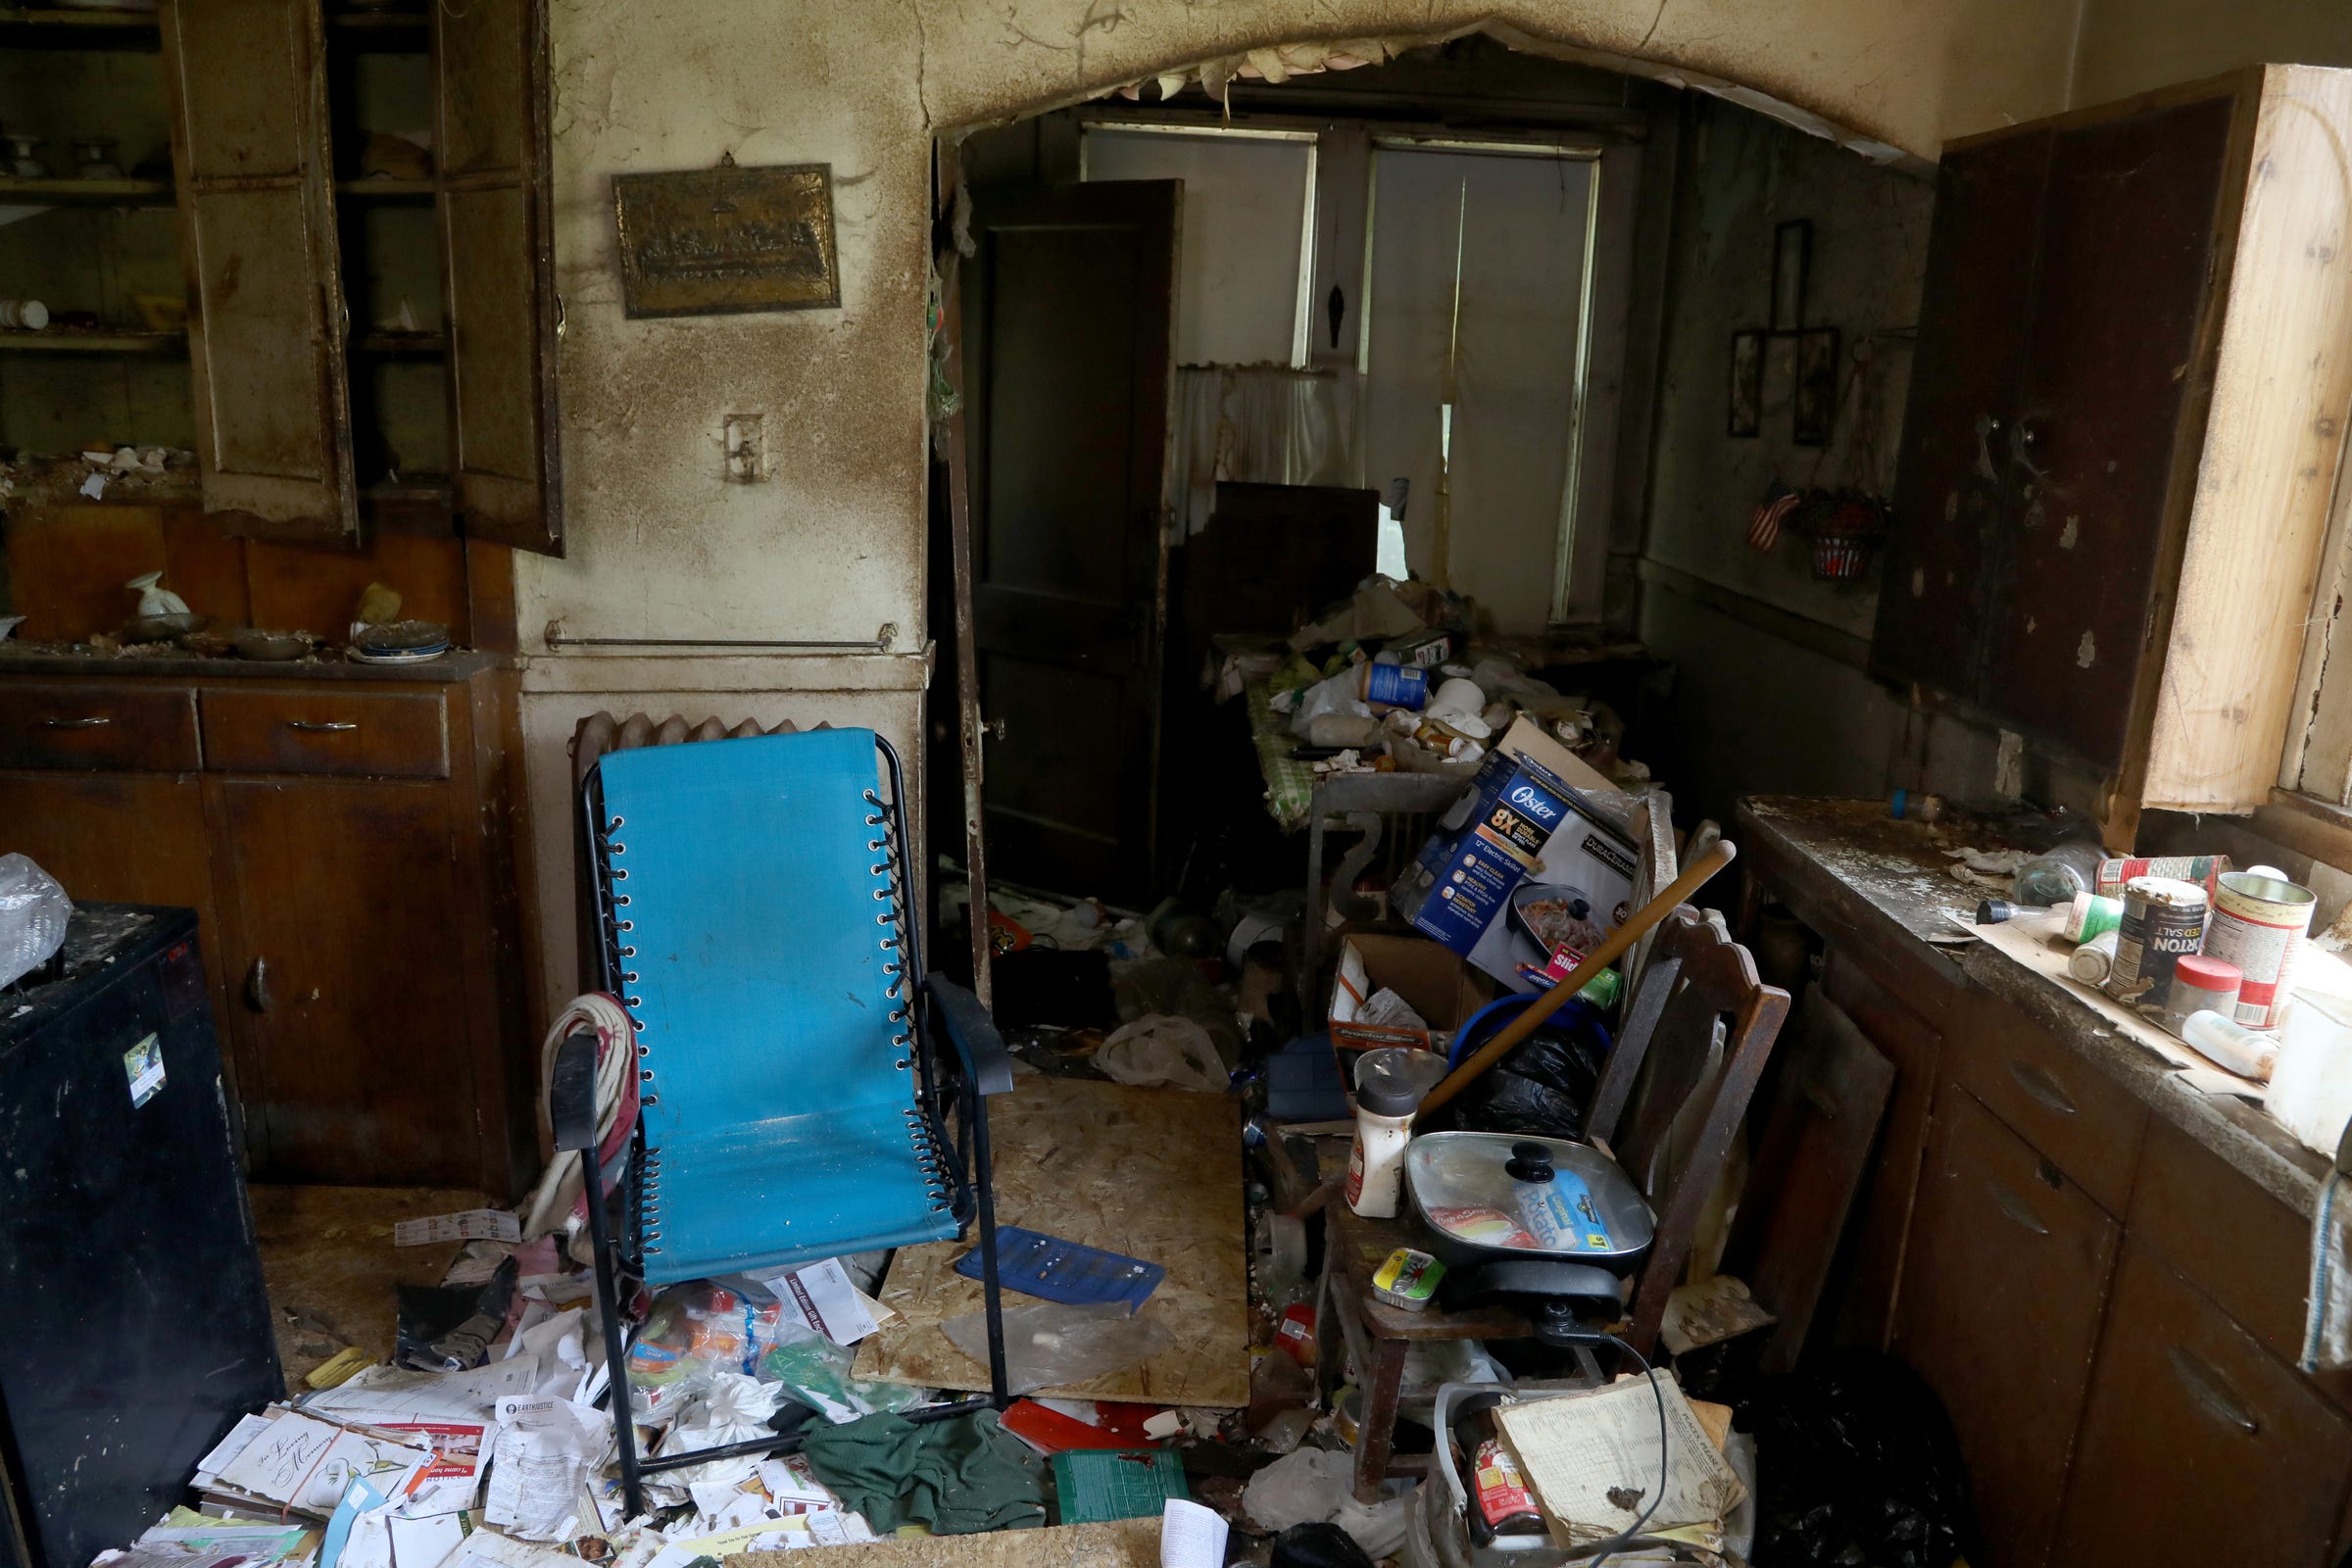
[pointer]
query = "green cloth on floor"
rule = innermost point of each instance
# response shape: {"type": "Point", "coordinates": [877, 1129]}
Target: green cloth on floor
{"type": "Point", "coordinates": [959, 1477]}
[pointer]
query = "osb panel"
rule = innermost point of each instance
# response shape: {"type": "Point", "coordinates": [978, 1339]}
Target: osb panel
{"type": "Point", "coordinates": [1111, 1543]}
{"type": "Point", "coordinates": [1154, 1173]}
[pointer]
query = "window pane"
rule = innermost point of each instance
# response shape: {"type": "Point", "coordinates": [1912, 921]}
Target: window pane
{"type": "Point", "coordinates": [1243, 226]}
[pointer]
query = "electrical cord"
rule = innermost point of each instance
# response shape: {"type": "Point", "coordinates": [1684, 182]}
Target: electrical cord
{"type": "Point", "coordinates": [1617, 1542]}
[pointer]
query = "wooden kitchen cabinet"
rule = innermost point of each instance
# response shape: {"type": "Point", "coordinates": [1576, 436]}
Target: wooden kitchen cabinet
{"type": "Point", "coordinates": [2193, 1434]}
{"type": "Point", "coordinates": [2124, 428]}
{"type": "Point", "coordinates": [2003, 1289]}
{"type": "Point", "coordinates": [347, 840]}
{"type": "Point", "coordinates": [367, 347]}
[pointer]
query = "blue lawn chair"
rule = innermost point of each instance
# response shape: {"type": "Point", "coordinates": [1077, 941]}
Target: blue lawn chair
{"type": "Point", "coordinates": [751, 915]}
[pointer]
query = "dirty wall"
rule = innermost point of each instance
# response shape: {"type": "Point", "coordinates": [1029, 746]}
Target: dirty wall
{"type": "Point", "coordinates": [828, 544]}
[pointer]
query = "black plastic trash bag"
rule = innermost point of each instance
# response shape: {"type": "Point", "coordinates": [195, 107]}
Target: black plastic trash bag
{"type": "Point", "coordinates": [1542, 1087]}
{"type": "Point", "coordinates": [1320, 1545]}
{"type": "Point", "coordinates": [1856, 1464]}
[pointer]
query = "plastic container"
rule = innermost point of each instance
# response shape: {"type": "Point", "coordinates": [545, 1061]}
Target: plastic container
{"type": "Point", "coordinates": [2094, 961]}
{"type": "Point", "coordinates": [2311, 1087]}
{"type": "Point", "coordinates": [1389, 1085]}
{"type": "Point", "coordinates": [2201, 983]}
{"type": "Point", "coordinates": [2091, 915]}
{"type": "Point", "coordinates": [1915, 806]}
{"type": "Point", "coordinates": [2223, 1039]}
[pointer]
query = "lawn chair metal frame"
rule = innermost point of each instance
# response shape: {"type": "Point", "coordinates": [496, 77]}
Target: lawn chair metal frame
{"type": "Point", "coordinates": [937, 1005]}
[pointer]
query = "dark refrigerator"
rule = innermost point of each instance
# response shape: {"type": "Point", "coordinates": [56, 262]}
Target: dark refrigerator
{"type": "Point", "coordinates": [137, 1327]}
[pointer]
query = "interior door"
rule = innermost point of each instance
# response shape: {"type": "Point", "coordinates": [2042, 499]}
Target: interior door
{"type": "Point", "coordinates": [351, 1003]}
{"type": "Point", "coordinates": [265, 319]}
{"type": "Point", "coordinates": [498, 265]}
{"type": "Point", "coordinates": [1068, 333]}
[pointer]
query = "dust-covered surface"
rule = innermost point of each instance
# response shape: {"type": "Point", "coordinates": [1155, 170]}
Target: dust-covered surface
{"type": "Point", "coordinates": [1902, 869]}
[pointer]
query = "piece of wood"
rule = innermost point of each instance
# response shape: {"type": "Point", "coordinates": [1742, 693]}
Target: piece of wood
{"type": "Point", "coordinates": [82, 724]}
{"type": "Point", "coordinates": [1107, 1544]}
{"type": "Point", "coordinates": [2274, 446]}
{"type": "Point", "coordinates": [1807, 1167]}
{"type": "Point", "coordinates": [247, 84]}
{"type": "Point", "coordinates": [1154, 1173]}
{"type": "Point", "coordinates": [359, 734]}
{"type": "Point", "coordinates": [969, 739]}
{"type": "Point", "coordinates": [498, 269]}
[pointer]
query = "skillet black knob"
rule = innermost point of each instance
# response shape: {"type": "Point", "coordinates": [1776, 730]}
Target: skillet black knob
{"type": "Point", "coordinates": [1529, 1163]}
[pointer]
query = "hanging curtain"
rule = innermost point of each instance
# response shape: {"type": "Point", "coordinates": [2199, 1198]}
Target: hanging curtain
{"type": "Point", "coordinates": [1256, 423]}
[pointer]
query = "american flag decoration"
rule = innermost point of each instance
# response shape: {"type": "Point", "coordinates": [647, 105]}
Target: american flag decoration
{"type": "Point", "coordinates": [1764, 529]}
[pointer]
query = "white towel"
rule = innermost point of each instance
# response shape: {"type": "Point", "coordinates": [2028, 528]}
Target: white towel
{"type": "Point", "coordinates": [2327, 1305]}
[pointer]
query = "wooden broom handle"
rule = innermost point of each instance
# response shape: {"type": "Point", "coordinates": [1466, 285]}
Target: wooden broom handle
{"type": "Point", "coordinates": [1608, 953]}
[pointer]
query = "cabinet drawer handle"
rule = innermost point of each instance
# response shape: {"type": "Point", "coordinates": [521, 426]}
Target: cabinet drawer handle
{"type": "Point", "coordinates": [75, 724]}
{"type": "Point", "coordinates": [2206, 1385]}
{"type": "Point", "coordinates": [2018, 1210]}
{"type": "Point", "coordinates": [322, 724]}
{"type": "Point", "coordinates": [2040, 1088]}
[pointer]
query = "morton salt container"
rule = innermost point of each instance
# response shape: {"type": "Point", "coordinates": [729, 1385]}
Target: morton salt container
{"type": "Point", "coordinates": [2257, 923]}
{"type": "Point", "coordinates": [2164, 918]}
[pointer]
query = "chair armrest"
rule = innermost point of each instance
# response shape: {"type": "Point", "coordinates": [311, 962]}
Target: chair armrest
{"type": "Point", "coordinates": [571, 1092]}
{"type": "Point", "coordinates": [974, 1033]}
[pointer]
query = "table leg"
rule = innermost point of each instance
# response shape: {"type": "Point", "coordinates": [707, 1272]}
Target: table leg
{"type": "Point", "coordinates": [1311, 938]}
{"type": "Point", "coordinates": [1377, 1437]}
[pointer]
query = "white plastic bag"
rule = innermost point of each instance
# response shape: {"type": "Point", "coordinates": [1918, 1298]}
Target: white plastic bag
{"type": "Point", "coordinates": [1312, 1485]}
{"type": "Point", "coordinates": [1162, 1049]}
{"type": "Point", "coordinates": [732, 1408]}
{"type": "Point", "coordinates": [34, 911]}
{"type": "Point", "coordinates": [1053, 1343]}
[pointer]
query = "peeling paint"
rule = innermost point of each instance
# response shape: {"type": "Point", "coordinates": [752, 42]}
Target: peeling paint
{"type": "Point", "coordinates": [2087, 652]}
{"type": "Point", "coordinates": [2071, 533]}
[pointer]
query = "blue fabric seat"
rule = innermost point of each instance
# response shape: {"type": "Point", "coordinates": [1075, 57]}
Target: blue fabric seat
{"type": "Point", "coordinates": [752, 918]}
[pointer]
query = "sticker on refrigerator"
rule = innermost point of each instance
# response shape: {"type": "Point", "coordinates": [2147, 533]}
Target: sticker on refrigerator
{"type": "Point", "coordinates": [143, 1066]}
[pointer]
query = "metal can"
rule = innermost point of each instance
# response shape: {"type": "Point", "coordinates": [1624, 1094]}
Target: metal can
{"type": "Point", "coordinates": [2093, 960]}
{"type": "Point", "coordinates": [2163, 917]}
{"type": "Point", "coordinates": [2258, 923]}
{"type": "Point", "coordinates": [2114, 875]}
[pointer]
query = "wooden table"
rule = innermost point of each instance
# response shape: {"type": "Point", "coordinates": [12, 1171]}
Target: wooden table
{"type": "Point", "coordinates": [1378, 1336]}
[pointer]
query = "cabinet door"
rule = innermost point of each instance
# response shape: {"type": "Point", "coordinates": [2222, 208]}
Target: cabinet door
{"type": "Point", "coordinates": [1950, 491]}
{"type": "Point", "coordinates": [344, 907]}
{"type": "Point", "coordinates": [2194, 1433]}
{"type": "Point", "coordinates": [2002, 1292]}
{"type": "Point", "coordinates": [498, 269]}
{"type": "Point", "coordinates": [2099, 450]}
{"type": "Point", "coordinates": [266, 320]}
{"type": "Point", "coordinates": [1872, 1269]}
{"type": "Point", "coordinates": [122, 838]}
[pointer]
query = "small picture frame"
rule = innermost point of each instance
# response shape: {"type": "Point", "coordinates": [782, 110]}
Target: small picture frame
{"type": "Point", "coordinates": [1746, 417]}
{"type": "Point", "coordinates": [1792, 255]}
{"type": "Point", "coordinates": [1813, 403]}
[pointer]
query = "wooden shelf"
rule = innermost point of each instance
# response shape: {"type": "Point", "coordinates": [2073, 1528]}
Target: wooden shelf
{"type": "Point", "coordinates": [397, 345]}
{"type": "Point", "coordinates": [80, 340]}
{"type": "Point", "coordinates": [55, 27]}
{"type": "Point", "coordinates": [84, 192]}
{"type": "Point", "coordinates": [381, 187]}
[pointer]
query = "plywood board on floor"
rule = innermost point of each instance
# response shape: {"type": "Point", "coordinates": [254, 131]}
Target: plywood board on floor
{"type": "Point", "coordinates": [1113, 1543]}
{"type": "Point", "coordinates": [1154, 1173]}
{"type": "Point", "coordinates": [332, 1270]}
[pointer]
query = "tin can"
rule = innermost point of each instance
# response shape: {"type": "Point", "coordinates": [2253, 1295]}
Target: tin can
{"type": "Point", "coordinates": [2116, 874]}
{"type": "Point", "coordinates": [2258, 923]}
{"type": "Point", "coordinates": [2094, 959]}
{"type": "Point", "coordinates": [2164, 918]}
{"type": "Point", "coordinates": [1395, 686]}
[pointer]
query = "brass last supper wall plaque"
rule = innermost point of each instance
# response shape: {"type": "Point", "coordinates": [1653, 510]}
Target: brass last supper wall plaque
{"type": "Point", "coordinates": [707, 241]}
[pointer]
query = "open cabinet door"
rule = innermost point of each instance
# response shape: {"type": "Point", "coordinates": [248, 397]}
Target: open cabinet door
{"type": "Point", "coordinates": [499, 268]}
{"type": "Point", "coordinates": [265, 319]}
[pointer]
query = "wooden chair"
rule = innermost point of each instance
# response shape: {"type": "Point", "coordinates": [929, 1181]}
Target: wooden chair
{"type": "Point", "coordinates": [1677, 1086]}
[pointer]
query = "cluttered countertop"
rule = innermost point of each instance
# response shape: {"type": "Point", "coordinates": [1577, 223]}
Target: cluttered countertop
{"type": "Point", "coordinates": [1898, 876]}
